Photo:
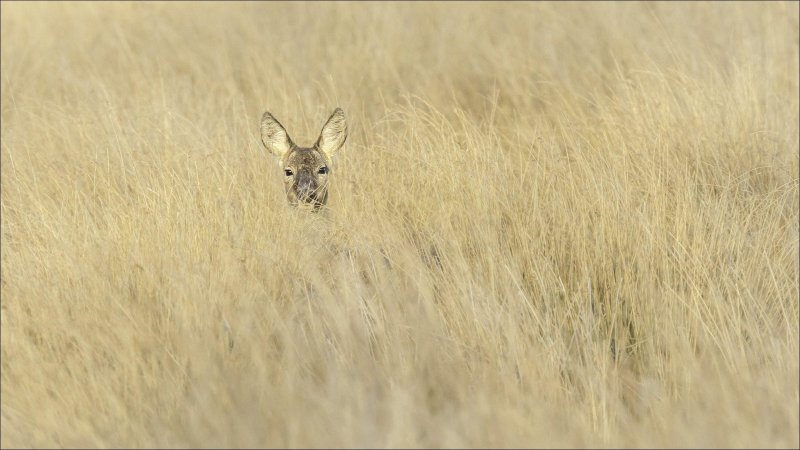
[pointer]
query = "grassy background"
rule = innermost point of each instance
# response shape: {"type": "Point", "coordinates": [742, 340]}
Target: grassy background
{"type": "Point", "coordinates": [553, 224]}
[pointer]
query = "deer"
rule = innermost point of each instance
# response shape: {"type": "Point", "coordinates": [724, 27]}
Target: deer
{"type": "Point", "coordinates": [305, 169]}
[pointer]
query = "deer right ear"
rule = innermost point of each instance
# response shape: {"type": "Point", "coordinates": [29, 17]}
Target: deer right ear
{"type": "Point", "coordinates": [274, 136]}
{"type": "Point", "coordinates": [333, 134]}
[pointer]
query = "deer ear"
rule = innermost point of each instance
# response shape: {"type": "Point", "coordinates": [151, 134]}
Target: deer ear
{"type": "Point", "coordinates": [333, 134]}
{"type": "Point", "coordinates": [274, 136]}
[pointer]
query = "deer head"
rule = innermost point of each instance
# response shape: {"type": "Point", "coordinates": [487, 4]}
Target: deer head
{"type": "Point", "coordinates": [305, 169]}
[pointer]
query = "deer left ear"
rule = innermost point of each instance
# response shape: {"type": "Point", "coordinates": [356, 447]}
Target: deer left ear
{"type": "Point", "coordinates": [333, 134]}
{"type": "Point", "coordinates": [274, 136]}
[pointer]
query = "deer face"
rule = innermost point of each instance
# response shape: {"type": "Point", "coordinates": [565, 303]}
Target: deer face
{"type": "Point", "coordinates": [305, 169]}
{"type": "Point", "coordinates": [306, 177]}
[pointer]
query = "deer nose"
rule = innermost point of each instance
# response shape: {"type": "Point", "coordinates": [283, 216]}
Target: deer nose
{"type": "Point", "coordinates": [306, 185]}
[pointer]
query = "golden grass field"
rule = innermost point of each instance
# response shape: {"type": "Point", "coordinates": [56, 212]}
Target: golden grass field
{"type": "Point", "coordinates": [553, 224]}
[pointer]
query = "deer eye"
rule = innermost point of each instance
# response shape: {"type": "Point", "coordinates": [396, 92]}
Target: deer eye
{"type": "Point", "coordinates": [323, 170]}
{"type": "Point", "coordinates": [288, 172]}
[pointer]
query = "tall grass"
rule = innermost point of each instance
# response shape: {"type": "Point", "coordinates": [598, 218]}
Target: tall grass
{"type": "Point", "coordinates": [553, 224]}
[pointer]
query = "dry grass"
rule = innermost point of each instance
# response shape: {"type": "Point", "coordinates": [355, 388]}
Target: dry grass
{"type": "Point", "coordinates": [552, 225]}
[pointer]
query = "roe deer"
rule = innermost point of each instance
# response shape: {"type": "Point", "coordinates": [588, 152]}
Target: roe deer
{"type": "Point", "coordinates": [305, 169]}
